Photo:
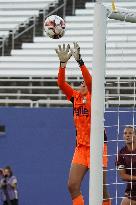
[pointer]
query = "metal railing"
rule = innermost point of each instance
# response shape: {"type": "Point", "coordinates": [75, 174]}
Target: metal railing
{"type": "Point", "coordinates": [118, 91]}
{"type": "Point", "coordinates": [16, 102]}
{"type": "Point", "coordinates": [16, 36]}
{"type": "Point", "coordinates": [63, 6]}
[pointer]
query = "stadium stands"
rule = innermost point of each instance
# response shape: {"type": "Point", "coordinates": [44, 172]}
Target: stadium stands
{"type": "Point", "coordinates": [43, 46]}
{"type": "Point", "coordinates": [37, 62]}
{"type": "Point", "coordinates": [16, 17]}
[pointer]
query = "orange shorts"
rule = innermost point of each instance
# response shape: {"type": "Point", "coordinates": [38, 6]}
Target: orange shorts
{"type": "Point", "coordinates": [82, 156]}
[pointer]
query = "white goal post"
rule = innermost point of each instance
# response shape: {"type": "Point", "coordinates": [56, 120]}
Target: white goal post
{"type": "Point", "coordinates": [98, 95]}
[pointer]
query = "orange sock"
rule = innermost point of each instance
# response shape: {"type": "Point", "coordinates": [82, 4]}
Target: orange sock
{"type": "Point", "coordinates": [78, 200]}
{"type": "Point", "coordinates": [106, 202]}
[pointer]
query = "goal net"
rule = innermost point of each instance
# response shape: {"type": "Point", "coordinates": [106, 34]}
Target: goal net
{"type": "Point", "coordinates": [114, 70]}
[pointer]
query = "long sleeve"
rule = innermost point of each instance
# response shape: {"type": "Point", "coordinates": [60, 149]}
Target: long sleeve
{"type": "Point", "coordinates": [87, 77]}
{"type": "Point", "coordinates": [65, 87]}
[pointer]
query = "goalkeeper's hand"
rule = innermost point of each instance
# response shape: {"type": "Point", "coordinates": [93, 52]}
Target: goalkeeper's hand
{"type": "Point", "coordinates": [76, 53]}
{"type": "Point", "coordinates": [63, 54]}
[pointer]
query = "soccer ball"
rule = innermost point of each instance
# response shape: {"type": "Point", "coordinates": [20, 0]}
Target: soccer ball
{"type": "Point", "coordinates": [54, 27]}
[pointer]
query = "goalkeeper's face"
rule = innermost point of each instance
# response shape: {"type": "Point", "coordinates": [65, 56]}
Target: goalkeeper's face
{"type": "Point", "coordinates": [129, 136]}
{"type": "Point", "coordinates": [83, 88]}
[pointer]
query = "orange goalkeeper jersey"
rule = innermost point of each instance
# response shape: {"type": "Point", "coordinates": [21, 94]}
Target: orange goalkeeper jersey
{"type": "Point", "coordinates": [81, 105]}
{"type": "Point", "coordinates": [82, 117]}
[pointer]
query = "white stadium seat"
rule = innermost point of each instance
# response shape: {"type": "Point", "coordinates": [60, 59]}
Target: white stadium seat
{"type": "Point", "coordinates": [87, 37]}
{"type": "Point", "coordinates": [25, 13]}
{"type": "Point", "coordinates": [84, 12]}
{"type": "Point", "coordinates": [7, 20]}
{"type": "Point", "coordinates": [4, 34]}
{"type": "Point", "coordinates": [8, 27]}
{"type": "Point", "coordinates": [84, 45]}
{"type": "Point", "coordinates": [27, 1]}
{"type": "Point", "coordinates": [68, 38]}
{"type": "Point", "coordinates": [24, 6]}
{"type": "Point", "coordinates": [79, 19]}
{"type": "Point", "coordinates": [50, 59]}
{"type": "Point", "coordinates": [45, 52]}
{"type": "Point", "coordinates": [51, 45]}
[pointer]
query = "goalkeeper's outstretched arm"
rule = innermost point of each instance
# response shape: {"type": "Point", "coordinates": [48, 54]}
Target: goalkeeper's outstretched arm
{"type": "Point", "coordinates": [85, 73]}
{"type": "Point", "coordinates": [64, 86]}
{"type": "Point", "coordinates": [87, 77]}
{"type": "Point", "coordinates": [64, 55]}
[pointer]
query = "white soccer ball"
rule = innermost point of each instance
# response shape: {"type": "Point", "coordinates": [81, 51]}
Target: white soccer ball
{"type": "Point", "coordinates": [54, 27]}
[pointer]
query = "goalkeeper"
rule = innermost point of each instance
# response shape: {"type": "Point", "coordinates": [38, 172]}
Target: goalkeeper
{"type": "Point", "coordinates": [81, 100]}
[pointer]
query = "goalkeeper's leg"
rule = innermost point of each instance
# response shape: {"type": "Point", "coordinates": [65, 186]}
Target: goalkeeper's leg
{"type": "Point", "coordinates": [76, 175]}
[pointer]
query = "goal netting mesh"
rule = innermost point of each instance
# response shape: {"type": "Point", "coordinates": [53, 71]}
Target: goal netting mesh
{"type": "Point", "coordinates": [120, 92]}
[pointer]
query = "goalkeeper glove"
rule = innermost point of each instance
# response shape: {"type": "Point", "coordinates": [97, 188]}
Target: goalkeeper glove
{"type": "Point", "coordinates": [76, 53]}
{"type": "Point", "coordinates": [63, 54]}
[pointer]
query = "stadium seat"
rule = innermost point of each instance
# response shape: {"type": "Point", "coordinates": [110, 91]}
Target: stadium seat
{"type": "Point", "coordinates": [45, 52]}
{"type": "Point", "coordinates": [22, 13]}
{"type": "Point", "coordinates": [84, 12]}
{"type": "Point", "coordinates": [8, 20]}
{"type": "Point", "coordinates": [27, 1]}
{"type": "Point", "coordinates": [79, 19]}
{"type": "Point", "coordinates": [24, 6]}
{"type": "Point", "coordinates": [4, 34]}
{"type": "Point", "coordinates": [41, 52]}
{"type": "Point", "coordinates": [8, 27]}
